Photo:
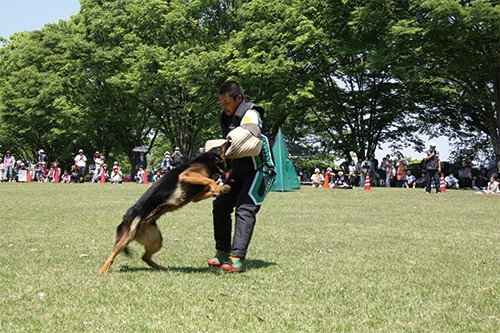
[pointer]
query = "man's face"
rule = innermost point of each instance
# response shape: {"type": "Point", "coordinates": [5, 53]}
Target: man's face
{"type": "Point", "coordinates": [229, 104]}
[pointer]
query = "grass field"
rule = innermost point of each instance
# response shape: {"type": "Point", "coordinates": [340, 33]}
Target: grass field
{"type": "Point", "coordinates": [386, 260]}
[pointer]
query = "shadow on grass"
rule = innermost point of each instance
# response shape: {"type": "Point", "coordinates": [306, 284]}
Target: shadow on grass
{"type": "Point", "coordinates": [251, 264]}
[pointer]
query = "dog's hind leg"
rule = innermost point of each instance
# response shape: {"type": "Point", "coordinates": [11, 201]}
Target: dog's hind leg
{"type": "Point", "coordinates": [123, 238]}
{"type": "Point", "coordinates": [150, 236]}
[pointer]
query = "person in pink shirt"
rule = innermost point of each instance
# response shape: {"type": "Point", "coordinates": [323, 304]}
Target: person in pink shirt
{"type": "Point", "coordinates": [9, 161]}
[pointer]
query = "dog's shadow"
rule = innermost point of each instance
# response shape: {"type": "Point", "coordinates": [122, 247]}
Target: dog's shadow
{"type": "Point", "coordinates": [251, 264]}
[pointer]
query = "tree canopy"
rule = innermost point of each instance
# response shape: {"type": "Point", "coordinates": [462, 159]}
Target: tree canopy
{"type": "Point", "coordinates": [338, 76]}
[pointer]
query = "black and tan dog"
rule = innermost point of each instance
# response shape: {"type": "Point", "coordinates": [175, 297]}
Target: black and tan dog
{"type": "Point", "coordinates": [191, 182]}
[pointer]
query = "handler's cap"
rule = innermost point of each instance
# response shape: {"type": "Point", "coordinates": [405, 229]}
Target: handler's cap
{"type": "Point", "coordinates": [80, 151]}
{"type": "Point", "coordinates": [41, 151]}
{"type": "Point", "coordinates": [316, 170]}
{"type": "Point", "coordinates": [341, 173]}
{"type": "Point", "coordinates": [214, 143]}
{"type": "Point", "coordinates": [433, 144]}
{"type": "Point", "coordinates": [329, 169]}
{"type": "Point", "coordinates": [177, 148]}
{"type": "Point", "coordinates": [167, 153]}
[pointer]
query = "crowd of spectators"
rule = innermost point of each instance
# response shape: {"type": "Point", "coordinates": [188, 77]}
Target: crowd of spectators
{"type": "Point", "coordinates": [396, 172]}
{"type": "Point", "coordinates": [84, 169]}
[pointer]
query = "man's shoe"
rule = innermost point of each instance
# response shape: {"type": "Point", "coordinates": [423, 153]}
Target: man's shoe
{"type": "Point", "coordinates": [234, 265]}
{"type": "Point", "coordinates": [220, 257]}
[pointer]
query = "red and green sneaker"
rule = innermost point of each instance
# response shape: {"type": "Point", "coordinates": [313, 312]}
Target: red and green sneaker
{"type": "Point", "coordinates": [234, 265]}
{"type": "Point", "coordinates": [220, 257]}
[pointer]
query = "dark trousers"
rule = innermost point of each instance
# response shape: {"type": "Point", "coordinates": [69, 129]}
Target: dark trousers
{"type": "Point", "coordinates": [81, 173]}
{"type": "Point", "coordinates": [246, 209]}
{"type": "Point", "coordinates": [433, 174]}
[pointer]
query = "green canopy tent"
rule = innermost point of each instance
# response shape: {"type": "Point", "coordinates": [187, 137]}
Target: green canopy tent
{"type": "Point", "coordinates": [286, 179]}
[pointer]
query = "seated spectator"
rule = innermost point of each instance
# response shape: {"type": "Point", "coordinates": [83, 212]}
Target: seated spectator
{"type": "Point", "coordinates": [15, 170]}
{"type": "Point", "coordinates": [316, 178]}
{"type": "Point", "coordinates": [50, 175]}
{"type": "Point", "coordinates": [341, 181]}
{"type": "Point", "coordinates": [157, 176]}
{"type": "Point", "coordinates": [127, 178]}
{"type": "Point", "coordinates": [492, 188]}
{"type": "Point", "coordinates": [479, 183]}
{"type": "Point", "coordinates": [139, 177]}
{"type": "Point", "coordinates": [451, 182]}
{"type": "Point", "coordinates": [421, 181]}
{"type": "Point", "coordinates": [409, 180]}
{"type": "Point", "coordinates": [103, 171]}
{"type": "Point", "coordinates": [66, 177]}
{"type": "Point", "coordinates": [75, 178]}
{"type": "Point", "coordinates": [116, 176]}
{"type": "Point", "coordinates": [3, 174]}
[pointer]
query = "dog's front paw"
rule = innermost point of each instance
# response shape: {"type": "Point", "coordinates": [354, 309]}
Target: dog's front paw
{"type": "Point", "coordinates": [225, 189]}
{"type": "Point", "coordinates": [215, 192]}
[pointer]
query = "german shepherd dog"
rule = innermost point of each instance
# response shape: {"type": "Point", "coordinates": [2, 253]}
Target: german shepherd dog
{"type": "Point", "coordinates": [190, 182]}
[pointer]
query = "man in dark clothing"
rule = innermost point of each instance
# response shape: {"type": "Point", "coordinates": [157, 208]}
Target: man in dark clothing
{"type": "Point", "coordinates": [251, 177]}
{"type": "Point", "coordinates": [432, 168]}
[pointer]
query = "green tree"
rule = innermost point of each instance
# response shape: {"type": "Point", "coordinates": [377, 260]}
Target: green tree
{"type": "Point", "coordinates": [454, 48]}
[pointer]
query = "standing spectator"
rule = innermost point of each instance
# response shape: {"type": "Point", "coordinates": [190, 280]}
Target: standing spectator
{"type": "Point", "coordinates": [358, 171]}
{"type": "Point", "coordinates": [42, 157]}
{"type": "Point", "coordinates": [39, 172]}
{"type": "Point", "coordinates": [374, 175]}
{"type": "Point", "coordinates": [465, 175]}
{"type": "Point", "coordinates": [365, 168]}
{"type": "Point", "coordinates": [388, 170]}
{"type": "Point", "coordinates": [432, 168]}
{"type": "Point", "coordinates": [141, 161]}
{"type": "Point", "coordinates": [177, 157]}
{"type": "Point", "coordinates": [31, 169]}
{"type": "Point", "coordinates": [9, 162]}
{"type": "Point", "coordinates": [166, 163]}
{"type": "Point", "coordinates": [352, 174]}
{"type": "Point", "coordinates": [492, 166]}
{"type": "Point", "coordinates": [81, 163]}
{"type": "Point", "coordinates": [401, 173]}
{"type": "Point", "coordinates": [250, 178]}
{"type": "Point", "coordinates": [98, 163]}
{"type": "Point", "coordinates": [344, 166]}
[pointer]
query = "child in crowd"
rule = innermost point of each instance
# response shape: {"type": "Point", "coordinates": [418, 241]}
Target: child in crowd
{"type": "Point", "coordinates": [492, 188]}
{"type": "Point", "coordinates": [3, 174]}
{"type": "Point", "coordinates": [316, 178]}
{"type": "Point", "coordinates": [66, 178]}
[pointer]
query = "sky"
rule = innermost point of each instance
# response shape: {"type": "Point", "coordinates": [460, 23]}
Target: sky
{"type": "Point", "coordinates": [29, 15]}
{"type": "Point", "coordinates": [25, 15]}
